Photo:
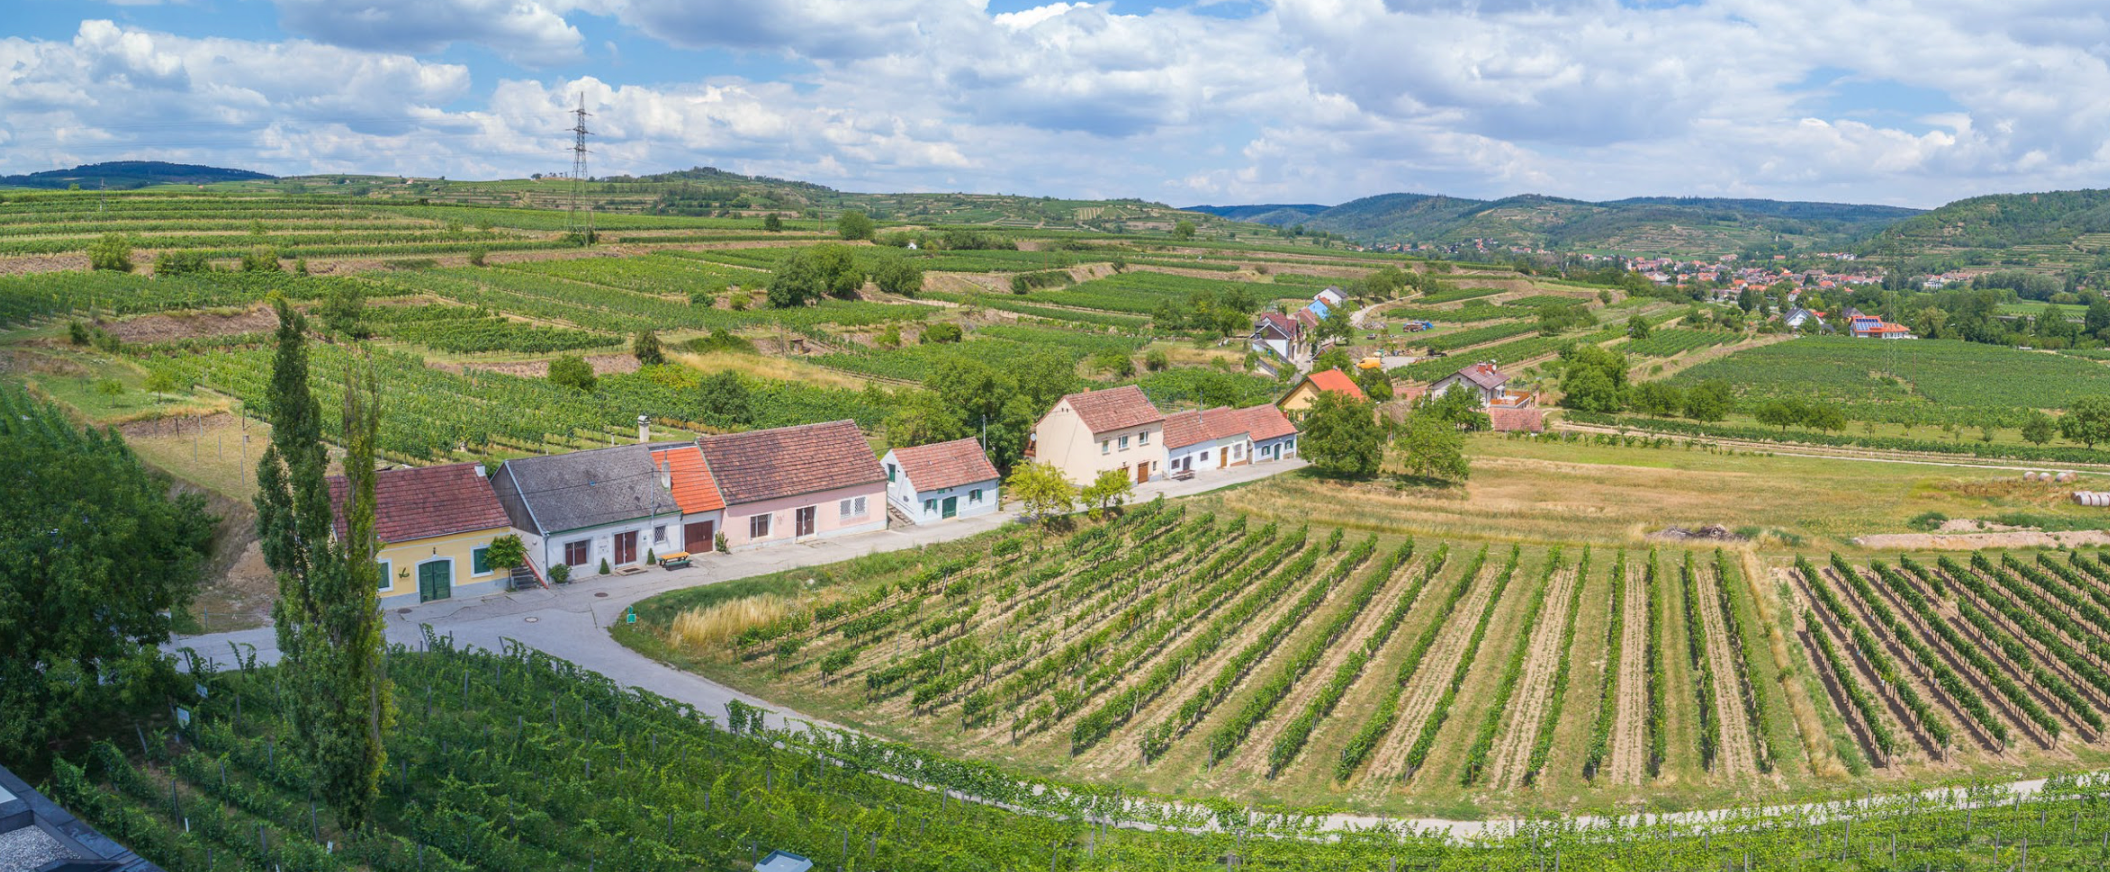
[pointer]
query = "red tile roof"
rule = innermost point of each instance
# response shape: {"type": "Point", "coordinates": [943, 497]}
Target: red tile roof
{"type": "Point", "coordinates": [1114, 408]}
{"type": "Point", "coordinates": [767, 464]}
{"type": "Point", "coordinates": [1264, 422]}
{"type": "Point", "coordinates": [1185, 428]}
{"type": "Point", "coordinates": [1336, 381]}
{"type": "Point", "coordinates": [945, 464]}
{"type": "Point", "coordinates": [1525, 419]}
{"type": "Point", "coordinates": [689, 479]}
{"type": "Point", "coordinates": [423, 502]}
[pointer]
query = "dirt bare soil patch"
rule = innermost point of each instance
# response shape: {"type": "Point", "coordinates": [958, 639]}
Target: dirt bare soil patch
{"type": "Point", "coordinates": [29, 264]}
{"type": "Point", "coordinates": [602, 364]}
{"type": "Point", "coordinates": [1630, 728]}
{"type": "Point", "coordinates": [1982, 541]}
{"type": "Point", "coordinates": [1709, 533]}
{"type": "Point", "coordinates": [191, 325]}
{"type": "Point", "coordinates": [1535, 690]}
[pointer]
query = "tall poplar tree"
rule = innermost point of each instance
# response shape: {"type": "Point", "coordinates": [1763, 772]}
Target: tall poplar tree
{"type": "Point", "coordinates": [328, 619]}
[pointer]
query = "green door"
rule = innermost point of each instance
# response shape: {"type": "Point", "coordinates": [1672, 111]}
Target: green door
{"type": "Point", "coordinates": [952, 506]}
{"type": "Point", "coordinates": [435, 581]}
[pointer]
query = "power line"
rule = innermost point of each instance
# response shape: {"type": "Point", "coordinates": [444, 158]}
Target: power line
{"type": "Point", "coordinates": [584, 228]}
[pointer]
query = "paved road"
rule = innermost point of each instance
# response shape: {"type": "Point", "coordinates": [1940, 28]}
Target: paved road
{"type": "Point", "coordinates": [571, 620]}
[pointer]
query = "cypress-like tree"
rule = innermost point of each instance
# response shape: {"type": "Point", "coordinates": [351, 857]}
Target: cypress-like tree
{"type": "Point", "coordinates": [327, 618]}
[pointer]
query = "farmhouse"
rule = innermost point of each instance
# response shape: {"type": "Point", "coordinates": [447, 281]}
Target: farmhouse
{"type": "Point", "coordinates": [683, 473]}
{"type": "Point", "coordinates": [1297, 403]}
{"type": "Point", "coordinates": [589, 508]}
{"type": "Point", "coordinates": [1089, 433]}
{"type": "Point", "coordinates": [1218, 438]}
{"type": "Point", "coordinates": [1278, 334]}
{"type": "Point", "coordinates": [1486, 382]}
{"type": "Point", "coordinates": [793, 484]}
{"type": "Point", "coordinates": [435, 525]}
{"type": "Point", "coordinates": [1864, 326]}
{"type": "Point", "coordinates": [927, 483]}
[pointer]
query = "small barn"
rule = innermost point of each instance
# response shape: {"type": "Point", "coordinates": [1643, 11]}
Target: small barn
{"type": "Point", "coordinates": [930, 483]}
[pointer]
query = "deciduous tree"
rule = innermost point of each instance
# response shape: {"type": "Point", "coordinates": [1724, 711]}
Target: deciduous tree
{"type": "Point", "coordinates": [1110, 490]}
{"type": "Point", "coordinates": [1041, 491]}
{"type": "Point", "coordinates": [1431, 447]}
{"type": "Point", "coordinates": [572, 371]}
{"type": "Point", "coordinates": [1341, 437]}
{"type": "Point", "coordinates": [2087, 421]}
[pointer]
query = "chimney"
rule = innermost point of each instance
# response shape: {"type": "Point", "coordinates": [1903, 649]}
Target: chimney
{"type": "Point", "coordinates": [666, 473]}
{"type": "Point", "coordinates": [480, 471]}
{"type": "Point", "coordinates": [644, 429]}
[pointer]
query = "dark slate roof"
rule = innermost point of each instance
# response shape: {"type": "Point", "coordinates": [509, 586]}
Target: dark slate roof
{"type": "Point", "coordinates": [23, 808]}
{"type": "Point", "coordinates": [423, 502]}
{"type": "Point", "coordinates": [562, 492]}
{"type": "Point", "coordinates": [788, 461]}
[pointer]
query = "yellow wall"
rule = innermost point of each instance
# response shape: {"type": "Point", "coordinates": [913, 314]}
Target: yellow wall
{"type": "Point", "coordinates": [403, 559]}
{"type": "Point", "coordinates": [1062, 440]}
{"type": "Point", "coordinates": [1299, 399]}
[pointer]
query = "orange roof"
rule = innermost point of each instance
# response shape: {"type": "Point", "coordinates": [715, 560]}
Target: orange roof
{"type": "Point", "coordinates": [1264, 422]}
{"type": "Point", "coordinates": [694, 490]}
{"type": "Point", "coordinates": [945, 464]}
{"type": "Point", "coordinates": [1336, 381]}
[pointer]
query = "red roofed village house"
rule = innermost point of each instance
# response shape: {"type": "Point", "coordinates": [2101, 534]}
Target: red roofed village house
{"type": "Point", "coordinates": [1089, 433]}
{"type": "Point", "coordinates": [793, 484]}
{"type": "Point", "coordinates": [1217, 438]}
{"type": "Point", "coordinates": [435, 524]}
{"type": "Point", "coordinates": [1486, 382]}
{"type": "Point", "coordinates": [928, 483]}
{"type": "Point", "coordinates": [1297, 403]}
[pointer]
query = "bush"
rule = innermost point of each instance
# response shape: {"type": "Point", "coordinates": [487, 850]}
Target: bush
{"type": "Point", "coordinates": [476, 257]}
{"type": "Point", "coordinates": [604, 566]}
{"type": "Point", "coordinates": [1156, 361]}
{"type": "Point", "coordinates": [942, 332]}
{"type": "Point", "coordinates": [854, 225]}
{"type": "Point", "coordinates": [718, 542]}
{"type": "Point", "coordinates": [112, 252]}
{"type": "Point", "coordinates": [571, 371]}
{"type": "Point", "coordinates": [1927, 522]}
{"type": "Point", "coordinates": [262, 258]}
{"type": "Point", "coordinates": [176, 263]}
{"type": "Point", "coordinates": [560, 574]}
{"type": "Point", "coordinates": [77, 333]}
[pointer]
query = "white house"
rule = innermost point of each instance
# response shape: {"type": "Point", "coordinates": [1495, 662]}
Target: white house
{"type": "Point", "coordinates": [1331, 296]}
{"type": "Point", "coordinates": [929, 483]}
{"type": "Point", "coordinates": [587, 508]}
{"type": "Point", "coordinates": [1486, 382]}
{"type": "Point", "coordinates": [1091, 432]}
{"type": "Point", "coordinates": [1199, 441]}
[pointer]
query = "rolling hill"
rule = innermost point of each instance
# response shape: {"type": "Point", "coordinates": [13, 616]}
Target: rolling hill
{"type": "Point", "coordinates": [128, 174]}
{"type": "Point", "coordinates": [1641, 225]}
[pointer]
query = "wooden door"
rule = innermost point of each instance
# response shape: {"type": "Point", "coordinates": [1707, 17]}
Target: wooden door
{"type": "Point", "coordinates": [1142, 472]}
{"type": "Point", "coordinates": [951, 507]}
{"type": "Point", "coordinates": [435, 581]}
{"type": "Point", "coordinates": [802, 521]}
{"type": "Point", "coordinates": [700, 536]}
{"type": "Point", "coordinates": [626, 547]}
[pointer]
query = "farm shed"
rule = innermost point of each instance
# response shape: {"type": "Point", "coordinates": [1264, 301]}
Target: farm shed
{"type": "Point", "coordinates": [929, 483]}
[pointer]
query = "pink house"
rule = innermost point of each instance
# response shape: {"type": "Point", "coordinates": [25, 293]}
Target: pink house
{"type": "Point", "coordinates": [795, 484]}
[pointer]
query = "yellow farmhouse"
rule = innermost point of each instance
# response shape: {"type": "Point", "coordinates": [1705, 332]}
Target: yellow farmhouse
{"type": "Point", "coordinates": [435, 524]}
{"type": "Point", "coordinates": [1089, 433]}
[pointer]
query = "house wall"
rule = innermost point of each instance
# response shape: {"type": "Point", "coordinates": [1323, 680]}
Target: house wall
{"type": "Point", "coordinates": [601, 544]}
{"type": "Point", "coordinates": [1299, 400]}
{"type": "Point", "coordinates": [1062, 440]}
{"type": "Point", "coordinates": [904, 496]}
{"type": "Point", "coordinates": [1444, 384]}
{"type": "Point", "coordinates": [828, 520]}
{"type": "Point", "coordinates": [678, 534]}
{"type": "Point", "coordinates": [1279, 448]}
{"type": "Point", "coordinates": [404, 558]}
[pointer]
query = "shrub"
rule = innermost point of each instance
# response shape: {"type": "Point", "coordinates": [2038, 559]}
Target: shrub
{"type": "Point", "coordinates": [942, 332]}
{"type": "Point", "coordinates": [262, 258]}
{"type": "Point", "coordinates": [560, 574]}
{"type": "Point", "coordinates": [718, 542]}
{"type": "Point", "coordinates": [77, 333]}
{"type": "Point", "coordinates": [571, 371]}
{"type": "Point", "coordinates": [112, 252]}
{"type": "Point", "coordinates": [1927, 522]}
{"type": "Point", "coordinates": [176, 263]}
{"type": "Point", "coordinates": [604, 566]}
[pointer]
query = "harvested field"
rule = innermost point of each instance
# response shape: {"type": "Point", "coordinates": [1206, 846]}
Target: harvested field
{"type": "Point", "coordinates": [1389, 762]}
{"type": "Point", "coordinates": [1737, 756]}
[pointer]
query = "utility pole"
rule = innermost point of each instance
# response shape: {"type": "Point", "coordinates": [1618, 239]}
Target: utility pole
{"type": "Point", "coordinates": [581, 222]}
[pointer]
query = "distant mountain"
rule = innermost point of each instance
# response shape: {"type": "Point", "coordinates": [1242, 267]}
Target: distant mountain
{"type": "Point", "coordinates": [2003, 221]}
{"type": "Point", "coordinates": [126, 174]}
{"type": "Point", "coordinates": [1646, 225]}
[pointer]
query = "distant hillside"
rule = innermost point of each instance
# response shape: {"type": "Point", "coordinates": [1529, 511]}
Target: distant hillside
{"type": "Point", "coordinates": [127, 174]}
{"type": "Point", "coordinates": [2004, 220]}
{"type": "Point", "coordinates": [1642, 225]}
{"type": "Point", "coordinates": [1278, 214]}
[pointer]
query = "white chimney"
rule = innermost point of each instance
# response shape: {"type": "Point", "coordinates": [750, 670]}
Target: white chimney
{"type": "Point", "coordinates": [644, 429]}
{"type": "Point", "coordinates": [666, 473]}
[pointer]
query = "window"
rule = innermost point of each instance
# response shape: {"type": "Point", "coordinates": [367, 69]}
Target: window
{"type": "Point", "coordinates": [930, 507]}
{"type": "Point", "coordinates": [1105, 446]}
{"type": "Point", "coordinates": [891, 470]}
{"type": "Point", "coordinates": [577, 553]}
{"type": "Point", "coordinates": [1205, 457]}
{"type": "Point", "coordinates": [974, 496]}
{"type": "Point", "coordinates": [1124, 443]}
{"type": "Point", "coordinates": [479, 561]}
{"type": "Point", "coordinates": [1143, 438]}
{"type": "Point", "coordinates": [385, 569]}
{"type": "Point", "coordinates": [852, 508]}
{"type": "Point", "coordinates": [659, 535]}
{"type": "Point", "coordinates": [758, 527]}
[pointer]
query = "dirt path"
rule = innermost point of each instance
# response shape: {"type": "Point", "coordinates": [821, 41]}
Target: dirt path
{"type": "Point", "coordinates": [1738, 756]}
{"type": "Point", "coordinates": [1390, 758]}
{"type": "Point", "coordinates": [1512, 750]}
{"type": "Point", "coordinates": [1630, 727]}
{"type": "Point", "coordinates": [1252, 756]}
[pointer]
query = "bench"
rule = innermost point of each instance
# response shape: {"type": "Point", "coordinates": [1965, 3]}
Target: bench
{"type": "Point", "coordinates": [677, 560]}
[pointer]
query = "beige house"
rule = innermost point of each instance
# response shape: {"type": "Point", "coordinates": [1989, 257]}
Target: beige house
{"type": "Point", "coordinates": [1089, 433]}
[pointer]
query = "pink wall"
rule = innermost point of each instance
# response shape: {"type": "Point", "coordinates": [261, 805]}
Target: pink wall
{"type": "Point", "coordinates": [828, 520]}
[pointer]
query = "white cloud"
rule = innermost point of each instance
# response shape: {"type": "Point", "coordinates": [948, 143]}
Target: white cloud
{"type": "Point", "coordinates": [522, 31]}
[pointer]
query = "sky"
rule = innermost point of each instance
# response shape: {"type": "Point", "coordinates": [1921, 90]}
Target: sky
{"type": "Point", "coordinates": [1215, 101]}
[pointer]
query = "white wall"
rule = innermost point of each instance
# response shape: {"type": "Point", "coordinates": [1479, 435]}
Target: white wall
{"type": "Point", "coordinates": [601, 541]}
{"type": "Point", "coordinates": [903, 496]}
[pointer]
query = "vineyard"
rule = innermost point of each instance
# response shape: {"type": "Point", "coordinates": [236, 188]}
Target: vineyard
{"type": "Point", "coordinates": [1181, 650]}
{"type": "Point", "coordinates": [517, 761]}
{"type": "Point", "coordinates": [1918, 382]}
{"type": "Point", "coordinates": [1669, 341]}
